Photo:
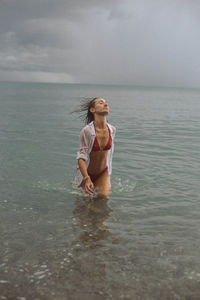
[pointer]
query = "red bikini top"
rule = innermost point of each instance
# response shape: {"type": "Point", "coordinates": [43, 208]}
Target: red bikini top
{"type": "Point", "coordinates": [96, 144]}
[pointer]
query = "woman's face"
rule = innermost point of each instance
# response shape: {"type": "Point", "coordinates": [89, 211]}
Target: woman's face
{"type": "Point", "coordinates": [101, 106]}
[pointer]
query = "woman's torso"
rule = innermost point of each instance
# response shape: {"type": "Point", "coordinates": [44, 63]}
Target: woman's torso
{"type": "Point", "coordinates": [98, 155]}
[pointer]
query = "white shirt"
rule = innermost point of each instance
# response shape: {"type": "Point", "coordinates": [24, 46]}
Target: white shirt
{"type": "Point", "coordinates": [87, 137]}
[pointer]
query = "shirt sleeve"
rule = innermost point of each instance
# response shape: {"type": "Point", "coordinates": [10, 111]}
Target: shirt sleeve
{"type": "Point", "coordinates": [114, 131]}
{"type": "Point", "coordinates": [83, 146]}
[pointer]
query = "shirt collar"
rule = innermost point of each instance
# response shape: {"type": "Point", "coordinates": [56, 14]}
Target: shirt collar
{"type": "Point", "coordinates": [91, 124]}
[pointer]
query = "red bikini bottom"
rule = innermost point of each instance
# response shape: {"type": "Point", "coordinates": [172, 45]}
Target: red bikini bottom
{"type": "Point", "coordinates": [94, 177]}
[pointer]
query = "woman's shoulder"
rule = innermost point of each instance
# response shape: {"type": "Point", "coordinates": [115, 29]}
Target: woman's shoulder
{"type": "Point", "coordinates": [86, 130]}
{"type": "Point", "coordinates": [113, 128]}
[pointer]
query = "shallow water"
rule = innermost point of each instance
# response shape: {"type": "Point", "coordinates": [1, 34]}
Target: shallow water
{"type": "Point", "coordinates": [141, 243]}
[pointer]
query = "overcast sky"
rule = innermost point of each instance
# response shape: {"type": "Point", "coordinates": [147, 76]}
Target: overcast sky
{"type": "Point", "coordinates": [138, 42]}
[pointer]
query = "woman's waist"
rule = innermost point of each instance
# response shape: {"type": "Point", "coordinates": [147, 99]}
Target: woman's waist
{"type": "Point", "coordinates": [94, 172]}
{"type": "Point", "coordinates": [98, 158]}
{"type": "Point", "coordinates": [96, 167]}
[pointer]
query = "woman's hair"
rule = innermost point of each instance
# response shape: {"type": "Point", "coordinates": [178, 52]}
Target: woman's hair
{"type": "Point", "coordinates": [84, 108]}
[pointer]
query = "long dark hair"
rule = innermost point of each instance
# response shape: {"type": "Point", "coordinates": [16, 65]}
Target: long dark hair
{"type": "Point", "coordinates": [84, 109]}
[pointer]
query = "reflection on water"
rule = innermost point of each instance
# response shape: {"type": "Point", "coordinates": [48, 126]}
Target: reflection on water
{"type": "Point", "coordinates": [90, 248]}
{"type": "Point", "coordinates": [90, 215]}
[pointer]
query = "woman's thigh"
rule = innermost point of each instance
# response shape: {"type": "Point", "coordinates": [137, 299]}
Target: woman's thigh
{"type": "Point", "coordinates": [103, 184]}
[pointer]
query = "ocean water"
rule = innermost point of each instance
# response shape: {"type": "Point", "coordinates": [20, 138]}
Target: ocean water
{"type": "Point", "coordinates": [141, 243]}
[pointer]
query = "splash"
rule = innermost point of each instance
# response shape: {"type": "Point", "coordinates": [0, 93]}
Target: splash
{"type": "Point", "coordinates": [123, 185]}
{"type": "Point", "coordinates": [48, 186]}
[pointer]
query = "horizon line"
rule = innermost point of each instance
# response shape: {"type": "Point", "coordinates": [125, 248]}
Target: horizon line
{"type": "Point", "coordinates": [102, 84]}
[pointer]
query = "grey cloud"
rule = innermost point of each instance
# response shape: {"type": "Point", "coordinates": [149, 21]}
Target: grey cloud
{"type": "Point", "coordinates": [136, 42]}
{"type": "Point", "coordinates": [72, 9]}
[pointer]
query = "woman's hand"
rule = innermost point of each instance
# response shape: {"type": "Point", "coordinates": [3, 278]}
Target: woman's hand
{"type": "Point", "coordinates": [89, 186]}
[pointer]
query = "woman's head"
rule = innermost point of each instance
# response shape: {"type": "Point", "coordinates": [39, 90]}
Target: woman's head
{"type": "Point", "coordinates": [91, 106]}
{"type": "Point", "coordinates": [100, 107]}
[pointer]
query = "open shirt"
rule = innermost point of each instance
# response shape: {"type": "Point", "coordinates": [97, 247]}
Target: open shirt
{"type": "Point", "coordinates": [87, 137]}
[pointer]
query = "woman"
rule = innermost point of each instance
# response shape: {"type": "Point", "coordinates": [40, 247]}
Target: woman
{"type": "Point", "coordinates": [96, 149]}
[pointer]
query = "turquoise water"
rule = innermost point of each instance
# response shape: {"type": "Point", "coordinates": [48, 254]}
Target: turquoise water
{"type": "Point", "coordinates": [144, 241]}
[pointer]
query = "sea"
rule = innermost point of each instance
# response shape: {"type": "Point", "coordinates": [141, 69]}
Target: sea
{"type": "Point", "coordinates": [143, 241]}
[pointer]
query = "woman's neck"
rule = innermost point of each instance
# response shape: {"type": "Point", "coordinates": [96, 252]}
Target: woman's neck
{"type": "Point", "coordinates": [100, 122]}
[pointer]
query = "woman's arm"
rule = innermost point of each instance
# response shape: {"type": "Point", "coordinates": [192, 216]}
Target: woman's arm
{"type": "Point", "coordinates": [82, 157]}
{"type": "Point", "coordinates": [87, 183]}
